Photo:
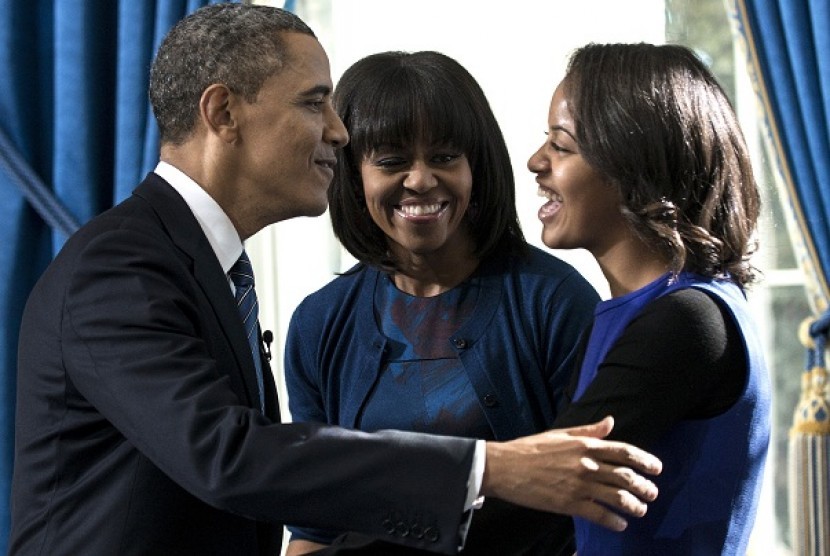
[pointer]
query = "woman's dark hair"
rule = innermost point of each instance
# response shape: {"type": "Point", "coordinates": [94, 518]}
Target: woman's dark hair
{"type": "Point", "coordinates": [400, 99]}
{"type": "Point", "coordinates": [655, 121]}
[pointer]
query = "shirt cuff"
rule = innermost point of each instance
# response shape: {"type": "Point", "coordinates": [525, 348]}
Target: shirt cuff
{"type": "Point", "coordinates": [474, 501]}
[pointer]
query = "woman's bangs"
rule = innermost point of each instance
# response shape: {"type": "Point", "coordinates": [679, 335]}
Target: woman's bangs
{"type": "Point", "coordinates": [407, 115]}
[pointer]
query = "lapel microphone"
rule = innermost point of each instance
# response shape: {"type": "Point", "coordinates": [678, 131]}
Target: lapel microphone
{"type": "Point", "coordinates": [268, 337]}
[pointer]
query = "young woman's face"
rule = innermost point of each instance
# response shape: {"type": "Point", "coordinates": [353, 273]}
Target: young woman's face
{"type": "Point", "coordinates": [418, 196]}
{"type": "Point", "coordinates": [582, 208]}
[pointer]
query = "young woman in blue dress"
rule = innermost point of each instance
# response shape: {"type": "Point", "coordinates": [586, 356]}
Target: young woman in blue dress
{"type": "Point", "coordinates": [645, 166]}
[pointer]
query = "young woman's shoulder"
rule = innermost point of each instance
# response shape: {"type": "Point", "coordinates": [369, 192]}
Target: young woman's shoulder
{"type": "Point", "coordinates": [691, 313]}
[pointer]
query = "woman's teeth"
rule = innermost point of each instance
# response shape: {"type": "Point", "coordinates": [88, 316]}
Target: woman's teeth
{"type": "Point", "coordinates": [548, 194]}
{"type": "Point", "coordinates": [419, 210]}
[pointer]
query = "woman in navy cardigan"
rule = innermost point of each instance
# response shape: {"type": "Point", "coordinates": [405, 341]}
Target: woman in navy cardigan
{"type": "Point", "coordinates": [450, 323]}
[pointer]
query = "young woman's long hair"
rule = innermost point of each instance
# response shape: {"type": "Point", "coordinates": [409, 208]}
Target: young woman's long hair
{"type": "Point", "coordinates": [655, 121]}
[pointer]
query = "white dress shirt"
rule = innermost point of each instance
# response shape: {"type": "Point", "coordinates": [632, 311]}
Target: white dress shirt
{"type": "Point", "coordinates": [218, 228]}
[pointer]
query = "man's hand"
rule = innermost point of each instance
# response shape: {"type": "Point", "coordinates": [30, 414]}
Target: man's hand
{"type": "Point", "coordinates": [573, 471]}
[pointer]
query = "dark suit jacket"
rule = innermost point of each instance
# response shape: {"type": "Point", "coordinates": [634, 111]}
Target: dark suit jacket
{"type": "Point", "coordinates": [135, 428]}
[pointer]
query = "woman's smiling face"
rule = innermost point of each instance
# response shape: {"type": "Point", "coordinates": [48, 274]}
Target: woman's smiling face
{"type": "Point", "coordinates": [418, 196]}
{"type": "Point", "coordinates": [583, 208]}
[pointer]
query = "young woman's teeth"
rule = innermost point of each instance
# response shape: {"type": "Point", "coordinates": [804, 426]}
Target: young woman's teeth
{"type": "Point", "coordinates": [549, 195]}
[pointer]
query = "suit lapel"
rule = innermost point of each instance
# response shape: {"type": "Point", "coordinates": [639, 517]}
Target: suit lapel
{"type": "Point", "coordinates": [187, 235]}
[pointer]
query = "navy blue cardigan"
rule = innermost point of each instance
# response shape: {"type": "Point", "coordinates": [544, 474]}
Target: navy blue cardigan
{"type": "Point", "coordinates": [517, 349]}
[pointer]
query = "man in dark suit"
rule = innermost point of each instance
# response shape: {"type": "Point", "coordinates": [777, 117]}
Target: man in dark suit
{"type": "Point", "coordinates": [143, 426]}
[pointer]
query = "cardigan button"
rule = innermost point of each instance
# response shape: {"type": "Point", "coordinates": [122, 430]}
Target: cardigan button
{"type": "Point", "coordinates": [490, 400]}
{"type": "Point", "coordinates": [460, 343]}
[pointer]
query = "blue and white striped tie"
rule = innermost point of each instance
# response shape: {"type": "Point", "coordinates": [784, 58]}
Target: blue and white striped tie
{"type": "Point", "coordinates": [242, 276]}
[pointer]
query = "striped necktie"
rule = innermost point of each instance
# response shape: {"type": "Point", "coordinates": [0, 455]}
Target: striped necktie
{"type": "Point", "coordinates": [242, 276]}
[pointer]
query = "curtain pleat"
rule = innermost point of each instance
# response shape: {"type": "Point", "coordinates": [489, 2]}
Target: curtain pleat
{"type": "Point", "coordinates": [787, 41]}
{"type": "Point", "coordinates": [83, 92]}
{"type": "Point", "coordinates": [133, 117]}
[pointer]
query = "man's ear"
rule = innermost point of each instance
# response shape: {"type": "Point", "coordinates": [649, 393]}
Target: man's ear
{"type": "Point", "coordinates": [216, 113]}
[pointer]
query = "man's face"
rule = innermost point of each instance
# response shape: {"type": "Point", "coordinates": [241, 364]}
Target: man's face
{"type": "Point", "coordinates": [289, 135]}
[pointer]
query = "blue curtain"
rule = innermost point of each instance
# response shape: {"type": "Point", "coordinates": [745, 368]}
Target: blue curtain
{"type": "Point", "coordinates": [789, 43]}
{"type": "Point", "coordinates": [789, 48]}
{"type": "Point", "coordinates": [76, 136]}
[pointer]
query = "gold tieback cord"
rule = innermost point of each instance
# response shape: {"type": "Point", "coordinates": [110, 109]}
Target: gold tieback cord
{"type": "Point", "coordinates": [812, 413]}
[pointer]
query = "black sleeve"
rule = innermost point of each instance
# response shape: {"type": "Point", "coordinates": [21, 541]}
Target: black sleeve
{"type": "Point", "coordinates": [681, 358]}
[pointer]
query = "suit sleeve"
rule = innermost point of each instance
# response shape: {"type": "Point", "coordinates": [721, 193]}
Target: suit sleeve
{"type": "Point", "coordinates": [134, 328]}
